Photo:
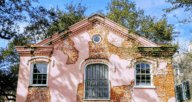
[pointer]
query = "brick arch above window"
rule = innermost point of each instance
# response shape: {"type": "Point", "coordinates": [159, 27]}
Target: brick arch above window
{"type": "Point", "coordinates": [153, 62]}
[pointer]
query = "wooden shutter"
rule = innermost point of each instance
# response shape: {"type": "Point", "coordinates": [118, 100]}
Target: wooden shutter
{"type": "Point", "coordinates": [187, 90]}
{"type": "Point", "coordinates": [178, 92]}
{"type": "Point", "coordinates": [96, 82]}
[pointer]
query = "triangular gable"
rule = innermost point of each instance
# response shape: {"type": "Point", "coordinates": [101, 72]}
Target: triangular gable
{"type": "Point", "coordinates": [88, 23]}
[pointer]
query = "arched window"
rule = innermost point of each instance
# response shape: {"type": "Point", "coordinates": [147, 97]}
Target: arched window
{"type": "Point", "coordinates": [143, 74]}
{"type": "Point", "coordinates": [96, 82]}
{"type": "Point", "coordinates": [38, 74]}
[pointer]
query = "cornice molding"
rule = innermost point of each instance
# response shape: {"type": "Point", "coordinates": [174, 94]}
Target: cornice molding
{"type": "Point", "coordinates": [34, 50]}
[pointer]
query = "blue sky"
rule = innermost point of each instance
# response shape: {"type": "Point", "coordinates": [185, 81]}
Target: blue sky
{"type": "Point", "coordinates": [151, 7]}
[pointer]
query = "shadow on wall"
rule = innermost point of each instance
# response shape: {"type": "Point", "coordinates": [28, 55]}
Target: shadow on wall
{"type": "Point", "coordinates": [122, 75]}
{"type": "Point", "coordinates": [144, 95]}
{"type": "Point", "coordinates": [23, 80]}
{"type": "Point", "coordinates": [63, 78]}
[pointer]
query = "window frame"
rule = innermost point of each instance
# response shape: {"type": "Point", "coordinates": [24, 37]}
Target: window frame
{"type": "Point", "coordinates": [97, 35]}
{"type": "Point", "coordinates": [85, 80]}
{"type": "Point", "coordinates": [151, 76]}
{"type": "Point", "coordinates": [31, 74]}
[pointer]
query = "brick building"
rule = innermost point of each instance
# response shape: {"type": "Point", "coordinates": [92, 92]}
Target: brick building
{"type": "Point", "coordinates": [98, 60]}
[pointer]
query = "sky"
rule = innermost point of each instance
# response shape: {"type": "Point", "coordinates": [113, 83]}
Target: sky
{"type": "Point", "coordinates": [150, 7]}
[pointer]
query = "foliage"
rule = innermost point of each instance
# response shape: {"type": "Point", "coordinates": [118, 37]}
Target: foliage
{"type": "Point", "coordinates": [9, 67]}
{"type": "Point", "coordinates": [42, 23]}
{"type": "Point", "coordinates": [158, 32]}
{"type": "Point", "coordinates": [126, 14]}
{"type": "Point", "coordinates": [177, 4]}
{"type": "Point", "coordinates": [12, 12]}
{"type": "Point", "coordinates": [66, 19]}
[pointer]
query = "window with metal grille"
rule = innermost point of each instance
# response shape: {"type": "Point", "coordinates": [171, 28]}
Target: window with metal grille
{"type": "Point", "coordinates": [96, 82]}
{"type": "Point", "coordinates": [143, 74]}
{"type": "Point", "coordinates": [182, 91]}
{"type": "Point", "coordinates": [38, 74]}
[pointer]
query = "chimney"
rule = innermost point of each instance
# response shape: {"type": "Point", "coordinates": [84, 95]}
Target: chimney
{"type": "Point", "coordinates": [190, 46]}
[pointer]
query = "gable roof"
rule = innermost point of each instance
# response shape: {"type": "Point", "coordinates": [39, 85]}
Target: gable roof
{"type": "Point", "coordinates": [88, 23]}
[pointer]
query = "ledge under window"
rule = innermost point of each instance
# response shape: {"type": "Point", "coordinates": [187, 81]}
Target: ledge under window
{"type": "Point", "coordinates": [144, 87]}
{"type": "Point", "coordinates": [39, 85]}
{"type": "Point", "coordinates": [95, 99]}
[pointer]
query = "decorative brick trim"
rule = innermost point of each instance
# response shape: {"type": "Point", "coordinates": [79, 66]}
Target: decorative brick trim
{"type": "Point", "coordinates": [68, 48]}
{"type": "Point", "coordinates": [38, 94]}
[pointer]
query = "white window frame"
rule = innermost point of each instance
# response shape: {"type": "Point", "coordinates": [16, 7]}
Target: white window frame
{"type": "Point", "coordinates": [151, 76]}
{"type": "Point", "coordinates": [31, 75]}
{"type": "Point", "coordinates": [85, 79]}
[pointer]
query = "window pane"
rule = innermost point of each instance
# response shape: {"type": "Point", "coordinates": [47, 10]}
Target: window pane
{"type": "Point", "coordinates": [143, 77]}
{"type": "Point", "coordinates": [100, 92]}
{"type": "Point", "coordinates": [137, 82]}
{"type": "Point", "coordinates": [93, 92]}
{"type": "Point", "coordinates": [143, 82]}
{"type": "Point", "coordinates": [94, 71]}
{"type": "Point", "coordinates": [148, 77]}
{"type": "Point", "coordinates": [142, 65]}
{"type": "Point", "coordinates": [39, 68]}
{"type": "Point", "coordinates": [147, 70]}
{"type": "Point", "coordinates": [39, 76]}
{"type": "Point", "coordinates": [101, 72]}
{"type": "Point", "coordinates": [148, 83]}
{"type": "Point", "coordinates": [89, 92]}
{"type": "Point", "coordinates": [34, 81]}
{"type": "Point", "coordinates": [147, 66]}
{"type": "Point", "coordinates": [98, 72]}
{"type": "Point", "coordinates": [39, 82]}
{"type": "Point", "coordinates": [138, 70]}
{"type": "Point", "coordinates": [44, 76]}
{"type": "Point", "coordinates": [89, 72]}
{"type": "Point", "coordinates": [106, 70]}
{"type": "Point", "coordinates": [138, 77]}
{"type": "Point", "coordinates": [44, 65]}
{"type": "Point", "coordinates": [138, 66]}
{"type": "Point", "coordinates": [105, 92]}
{"type": "Point", "coordinates": [35, 68]}
{"type": "Point", "coordinates": [44, 81]}
{"type": "Point", "coordinates": [143, 70]}
{"type": "Point", "coordinates": [34, 76]}
{"type": "Point", "coordinates": [44, 70]}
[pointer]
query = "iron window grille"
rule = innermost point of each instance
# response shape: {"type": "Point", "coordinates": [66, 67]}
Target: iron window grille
{"type": "Point", "coordinates": [96, 82]}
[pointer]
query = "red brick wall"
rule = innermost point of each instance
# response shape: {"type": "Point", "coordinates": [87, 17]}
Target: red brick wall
{"type": "Point", "coordinates": [38, 94]}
